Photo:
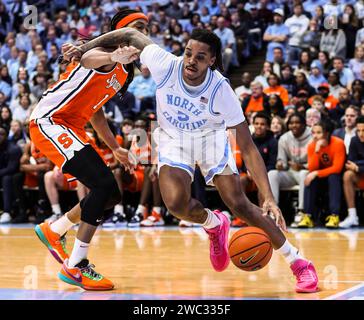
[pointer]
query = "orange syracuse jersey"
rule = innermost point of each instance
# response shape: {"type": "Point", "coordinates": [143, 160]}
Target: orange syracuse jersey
{"type": "Point", "coordinates": [78, 94]}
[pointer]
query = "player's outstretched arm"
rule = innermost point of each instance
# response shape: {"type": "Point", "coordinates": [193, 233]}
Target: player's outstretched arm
{"type": "Point", "coordinates": [121, 37]}
{"type": "Point", "coordinates": [256, 167]}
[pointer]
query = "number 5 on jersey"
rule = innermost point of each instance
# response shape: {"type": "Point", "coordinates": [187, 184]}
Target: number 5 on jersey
{"type": "Point", "coordinates": [65, 140]}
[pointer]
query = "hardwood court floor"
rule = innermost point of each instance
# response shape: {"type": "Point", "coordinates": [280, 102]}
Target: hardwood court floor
{"type": "Point", "coordinates": [173, 263]}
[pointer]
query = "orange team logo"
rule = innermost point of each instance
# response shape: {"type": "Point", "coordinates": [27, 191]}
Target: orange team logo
{"type": "Point", "coordinates": [65, 140]}
{"type": "Point", "coordinates": [113, 83]}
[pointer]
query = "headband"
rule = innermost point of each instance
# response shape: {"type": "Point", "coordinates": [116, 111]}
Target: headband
{"type": "Point", "coordinates": [130, 18]}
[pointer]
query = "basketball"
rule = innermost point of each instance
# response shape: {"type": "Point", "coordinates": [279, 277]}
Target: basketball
{"type": "Point", "coordinates": [250, 249]}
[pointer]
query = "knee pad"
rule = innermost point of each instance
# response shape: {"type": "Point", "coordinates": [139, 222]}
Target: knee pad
{"type": "Point", "coordinates": [100, 198]}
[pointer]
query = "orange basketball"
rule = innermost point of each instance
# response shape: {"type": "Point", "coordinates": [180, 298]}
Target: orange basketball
{"type": "Point", "coordinates": [250, 249]}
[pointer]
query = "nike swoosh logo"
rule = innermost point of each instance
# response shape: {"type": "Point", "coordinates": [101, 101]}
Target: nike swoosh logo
{"type": "Point", "coordinates": [77, 278]}
{"type": "Point", "coordinates": [98, 220]}
{"type": "Point", "coordinates": [243, 262]}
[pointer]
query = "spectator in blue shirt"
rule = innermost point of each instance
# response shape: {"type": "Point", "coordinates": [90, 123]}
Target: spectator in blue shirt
{"type": "Point", "coordinates": [228, 43]}
{"type": "Point", "coordinates": [316, 78]}
{"type": "Point", "coordinates": [276, 35]}
{"type": "Point", "coordinates": [143, 88]}
{"type": "Point", "coordinates": [346, 75]}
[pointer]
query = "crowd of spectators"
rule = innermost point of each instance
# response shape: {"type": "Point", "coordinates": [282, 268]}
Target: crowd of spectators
{"type": "Point", "coordinates": [305, 107]}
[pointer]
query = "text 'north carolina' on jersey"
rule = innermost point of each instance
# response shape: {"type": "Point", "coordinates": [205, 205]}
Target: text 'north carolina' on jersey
{"type": "Point", "coordinates": [78, 94]}
{"type": "Point", "coordinates": [214, 106]}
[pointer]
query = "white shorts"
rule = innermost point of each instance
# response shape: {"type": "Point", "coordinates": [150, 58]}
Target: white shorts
{"type": "Point", "coordinates": [211, 152]}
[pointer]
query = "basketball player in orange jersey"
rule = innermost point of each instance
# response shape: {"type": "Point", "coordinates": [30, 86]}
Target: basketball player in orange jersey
{"type": "Point", "coordinates": [196, 103]}
{"type": "Point", "coordinates": [57, 130]}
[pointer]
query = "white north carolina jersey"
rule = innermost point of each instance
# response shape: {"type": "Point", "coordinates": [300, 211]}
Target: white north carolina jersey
{"type": "Point", "coordinates": [179, 111]}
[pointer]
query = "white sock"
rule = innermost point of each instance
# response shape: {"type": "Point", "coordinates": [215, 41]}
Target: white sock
{"type": "Point", "coordinates": [352, 212]}
{"type": "Point", "coordinates": [289, 252]}
{"type": "Point", "coordinates": [119, 209]}
{"type": "Point", "coordinates": [141, 210]}
{"type": "Point", "coordinates": [79, 252]}
{"type": "Point", "coordinates": [212, 220]}
{"type": "Point", "coordinates": [56, 208]}
{"type": "Point", "coordinates": [62, 225]}
{"type": "Point", "coordinates": [157, 210]}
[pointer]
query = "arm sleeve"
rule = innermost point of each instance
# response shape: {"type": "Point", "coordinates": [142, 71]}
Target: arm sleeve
{"type": "Point", "coordinates": [13, 162]}
{"type": "Point", "coordinates": [158, 61]}
{"type": "Point", "coordinates": [232, 112]}
{"type": "Point", "coordinates": [313, 158]}
{"type": "Point", "coordinates": [338, 161]}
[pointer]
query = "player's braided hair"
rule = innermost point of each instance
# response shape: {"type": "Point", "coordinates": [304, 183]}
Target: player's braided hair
{"type": "Point", "coordinates": [213, 41]}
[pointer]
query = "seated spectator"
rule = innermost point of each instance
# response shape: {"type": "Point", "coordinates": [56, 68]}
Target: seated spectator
{"type": "Point", "coordinates": [244, 90]}
{"type": "Point", "coordinates": [349, 23]}
{"type": "Point", "coordinates": [276, 34]}
{"type": "Point", "coordinates": [241, 31]}
{"type": "Point", "coordinates": [349, 130]}
{"type": "Point", "coordinates": [4, 75]}
{"type": "Point", "coordinates": [356, 64]}
{"type": "Point", "coordinates": [357, 92]}
{"type": "Point", "coordinates": [325, 61]}
{"type": "Point", "coordinates": [302, 84]}
{"type": "Point", "coordinates": [267, 146]}
{"type": "Point", "coordinates": [5, 118]}
{"type": "Point", "coordinates": [263, 76]}
{"type": "Point", "coordinates": [333, 41]}
{"type": "Point", "coordinates": [297, 25]}
{"type": "Point", "coordinates": [304, 63]}
{"type": "Point", "coordinates": [33, 166]}
{"type": "Point", "coordinates": [276, 88]}
{"type": "Point", "coordinates": [174, 10]}
{"type": "Point", "coordinates": [287, 78]}
{"type": "Point", "coordinates": [143, 88]}
{"type": "Point", "coordinates": [324, 91]}
{"type": "Point", "coordinates": [277, 127]}
{"type": "Point", "coordinates": [334, 84]}
{"type": "Point", "coordinates": [291, 166]}
{"type": "Point", "coordinates": [17, 134]}
{"type": "Point", "coordinates": [316, 78]}
{"type": "Point", "coordinates": [155, 34]}
{"type": "Point", "coordinates": [326, 158]}
{"type": "Point", "coordinates": [310, 40]}
{"type": "Point", "coordinates": [228, 44]}
{"type": "Point", "coordinates": [318, 103]}
{"type": "Point", "coordinates": [354, 174]}
{"type": "Point", "coordinates": [278, 60]}
{"type": "Point", "coordinates": [256, 101]}
{"type": "Point", "coordinates": [5, 88]}
{"type": "Point", "coordinates": [345, 74]}
{"type": "Point", "coordinates": [22, 112]}
{"type": "Point", "coordinates": [9, 165]}
{"type": "Point", "coordinates": [313, 116]}
{"type": "Point", "coordinates": [337, 113]}
{"type": "Point", "coordinates": [275, 106]}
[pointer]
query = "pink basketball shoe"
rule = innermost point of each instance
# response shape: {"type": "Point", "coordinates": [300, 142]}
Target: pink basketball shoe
{"type": "Point", "coordinates": [306, 276]}
{"type": "Point", "coordinates": [219, 238]}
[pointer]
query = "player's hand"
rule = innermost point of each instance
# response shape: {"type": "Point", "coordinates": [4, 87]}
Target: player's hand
{"type": "Point", "coordinates": [270, 208]}
{"type": "Point", "coordinates": [71, 52]}
{"type": "Point", "coordinates": [125, 55]}
{"type": "Point", "coordinates": [122, 155]}
{"type": "Point", "coordinates": [310, 177]}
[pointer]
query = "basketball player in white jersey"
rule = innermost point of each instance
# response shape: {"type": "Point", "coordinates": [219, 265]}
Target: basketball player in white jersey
{"type": "Point", "coordinates": [195, 106]}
